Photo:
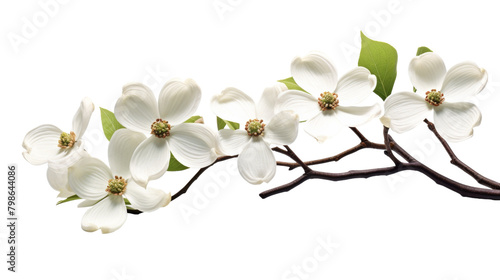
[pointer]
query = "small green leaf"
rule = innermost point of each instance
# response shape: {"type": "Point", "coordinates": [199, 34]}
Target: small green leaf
{"type": "Point", "coordinates": [109, 123]}
{"type": "Point", "coordinates": [291, 84]}
{"type": "Point", "coordinates": [381, 59]}
{"type": "Point", "coordinates": [71, 198]}
{"type": "Point", "coordinates": [175, 165]}
{"type": "Point", "coordinates": [193, 119]}
{"type": "Point", "coordinates": [222, 123]}
{"type": "Point", "coordinates": [420, 51]}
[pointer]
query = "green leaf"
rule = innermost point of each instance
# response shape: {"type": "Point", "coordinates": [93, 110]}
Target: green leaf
{"type": "Point", "coordinates": [381, 59]}
{"type": "Point", "coordinates": [71, 198]}
{"type": "Point", "coordinates": [222, 123]}
{"type": "Point", "coordinates": [175, 165]}
{"type": "Point", "coordinates": [291, 84]}
{"type": "Point", "coordinates": [420, 51]}
{"type": "Point", "coordinates": [193, 119]}
{"type": "Point", "coordinates": [109, 123]}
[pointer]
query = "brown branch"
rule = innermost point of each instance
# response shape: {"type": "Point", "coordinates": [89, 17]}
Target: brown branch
{"type": "Point", "coordinates": [365, 143]}
{"type": "Point", "coordinates": [198, 174]}
{"type": "Point", "coordinates": [460, 164]}
{"type": "Point", "coordinates": [462, 189]}
{"type": "Point", "coordinates": [186, 187]}
{"type": "Point", "coordinates": [388, 150]}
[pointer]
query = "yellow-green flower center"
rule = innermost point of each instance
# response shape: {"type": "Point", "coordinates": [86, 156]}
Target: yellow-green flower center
{"type": "Point", "coordinates": [161, 128]}
{"type": "Point", "coordinates": [255, 127]}
{"type": "Point", "coordinates": [117, 186]}
{"type": "Point", "coordinates": [66, 140]}
{"type": "Point", "coordinates": [434, 97]}
{"type": "Point", "coordinates": [328, 101]}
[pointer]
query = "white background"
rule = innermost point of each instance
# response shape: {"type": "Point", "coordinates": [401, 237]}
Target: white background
{"type": "Point", "coordinates": [400, 227]}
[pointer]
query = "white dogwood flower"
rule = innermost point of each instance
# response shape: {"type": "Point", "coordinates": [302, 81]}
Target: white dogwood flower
{"type": "Point", "coordinates": [105, 188]}
{"type": "Point", "coordinates": [48, 142]}
{"type": "Point", "coordinates": [443, 92]}
{"type": "Point", "coordinates": [192, 144]}
{"type": "Point", "coordinates": [256, 162]}
{"type": "Point", "coordinates": [332, 102]}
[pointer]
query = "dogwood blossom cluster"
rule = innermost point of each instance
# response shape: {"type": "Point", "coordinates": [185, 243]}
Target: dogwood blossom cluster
{"type": "Point", "coordinates": [155, 129]}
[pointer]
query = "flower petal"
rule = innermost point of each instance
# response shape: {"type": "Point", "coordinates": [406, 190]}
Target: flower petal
{"type": "Point", "coordinates": [404, 111]}
{"type": "Point", "coordinates": [233, 105]}
{"type": "Point", "coordinates": [41, 144]}
{"type": "Point", "coordinates": [455, 120]}
{"type": "Point", "coordinates": [179, 100]}
{"type": "Point", "coordinates": [137, 108]}
{"type": "Point", "coordinates": [323, 126]}
{"type": "Point", "coordinates": [232, 142]}
{"type": "Point", "coordinates": [463, 81]}
{"type": "Point", "coordinates": [82, 117]}
{"type": "Point", "coordinates": [148, 199]}
{"type": "Point", "coordinates": [256, 163]}
{"type": "Point", "coordinates": [87, 203]}
{"type": "Point", "coordinates": [150, 160]}
{"type": "Point", "coordinates": [282, 129]}
{"type": "Point", "coordinates": [108, 215]}
{"type": "Point", "coordinates": [57, 172]}
{"type": "Point", "coordinates": [89, 177]}
{"type": "Point", "coordinates": [267, 102]}
{"type": "Point", "coordinates": [193, 144]}
{"type": "Point", "coordinates": [58, 180]}
{"type": "Point", "coordinates": [427, 72]}
{"type": "Point", "coordinates": [301, 103]}
{"type": "Point", "coordinates": [356, 116]}
{"type": "Point", "coordinates": [314, 73]}
{"type": "Point", "coordinates": [121, 147]}
{"type": "Point", "coordinates": [355, 86]}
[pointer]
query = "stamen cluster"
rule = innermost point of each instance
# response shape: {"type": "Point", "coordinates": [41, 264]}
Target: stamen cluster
{"type": "Point", "coordinates": [434, 97]}
{"type": "Point", "coordinates": [161, 128]}
{"type": "Point", "coordinates": [66, 140]}
{"type": "Point", "coordinates": [328, 101]}
{"type": "Point", "coordinates": [117, 186]}
{"type": "Point", "coordinates": [255, 127]}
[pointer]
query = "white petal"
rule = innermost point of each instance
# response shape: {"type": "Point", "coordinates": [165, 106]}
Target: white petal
{"type": "Point", "coordinates": [232, 142]}
{"type": "Point", "coordinates": [108, 215]}
{"type": "Point", "coordinates": [233, 105]}
{"type": "Point", "coordinates": [193, 144]}
{"type": "Point", "coordinates": [282, 129]}
{"type": "Point", "coordinates": [41, 144]}
{"type": "Point", "coordinates": [427, 72]}
{"type": "Point", "coordinates": [87, 203]}
{"type": "Point", "coordinates": [355, 86]}
{"type": "Point", "coordinates": [58, 180]}
{"type": "Point", "coordinates": [314, 73]}
{"type": "Point", "coordinates": [356, 116]}
{"type": "Point", "coordinates": [323, 126]}
{"type": "Point", "coordinates": [148, 199]}
{"type": "Point", "coordinates": [455, 121]}
{"type": "Point", "coordinates": [57, 172]}
{"type": "Point", "coordinates": [121, 147]}
{"type": "Point", "coordinates": [150, 160]}
{"type": "Point", "coordinates": [256, 163]}
{"type": "Point", "coordinates": [82, 117]}
{"type": "Point", "coordinates": [301, 103]}
{"type": "Point", "coordinates": [89, 177]}
{"type": "Point", "coordinates": [404, 111]}
{"type": "Point", "coordinates": [267, 102]}
{"type": "Point", "coordinates": [179, 100]}
{"type": "Point", "coordinates": [137, 108]}
{"type": "Point", "coordinates": [463, 81]}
